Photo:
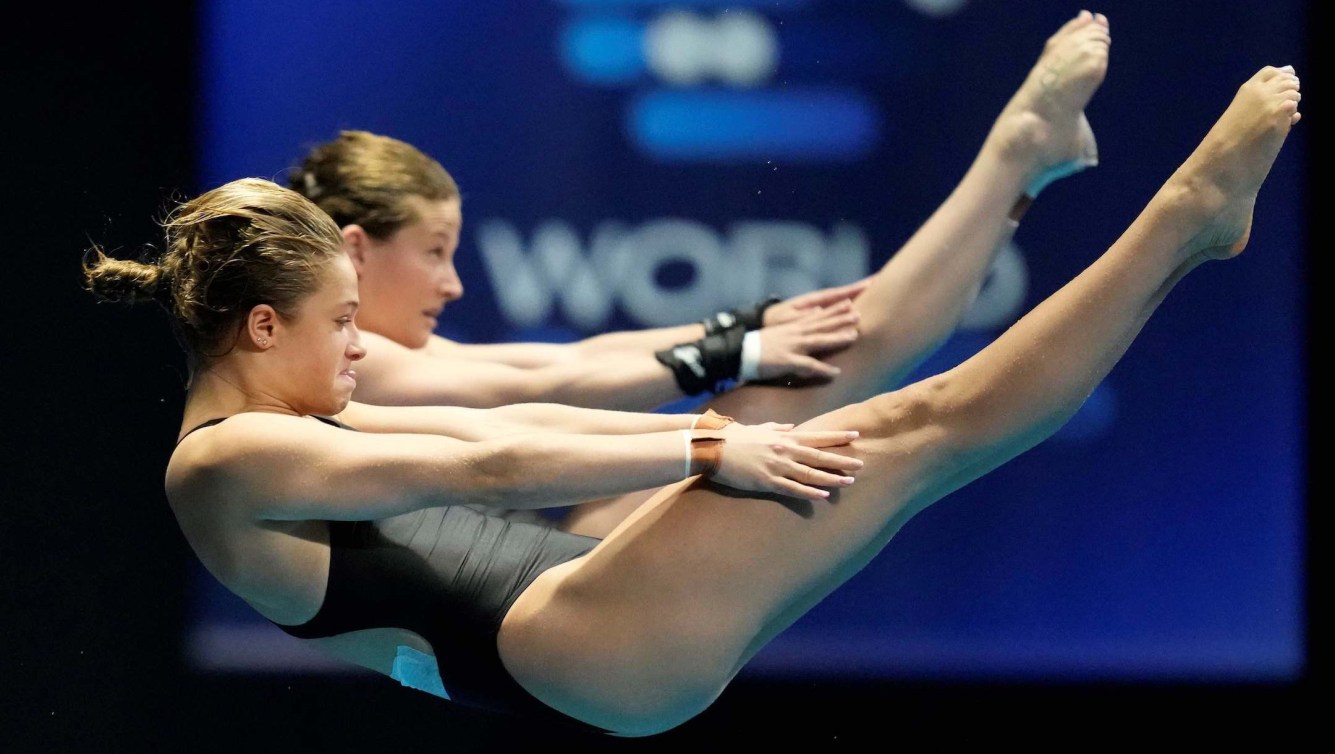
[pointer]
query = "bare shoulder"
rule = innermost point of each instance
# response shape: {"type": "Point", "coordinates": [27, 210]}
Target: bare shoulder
{"type": "Point", "coordinates": [221, 461]}
{"type": "Point", "coordinates": [392, 375]}
{"type": "Point", "coordinates": [438, 346]}
{"type": "Point", "coordinates": [381, 371]}
{"type": "Point", "coordinates": [367, 417]}
{"type": "Point", "coordinates": [382, 352]}
{"type": "Point", "coordinates": [380, 345]}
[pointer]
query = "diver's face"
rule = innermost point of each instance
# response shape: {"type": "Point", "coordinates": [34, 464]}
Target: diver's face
{"type": "Point", "coordinates": [320, 344]}
{"type": "Point", "coordinates": [407, 279]}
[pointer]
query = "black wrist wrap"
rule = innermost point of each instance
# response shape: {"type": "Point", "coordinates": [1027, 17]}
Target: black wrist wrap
{"type": "Point", "coordinates": [705, 364]}
{"type": "Point", "coordinates": [746, 317]}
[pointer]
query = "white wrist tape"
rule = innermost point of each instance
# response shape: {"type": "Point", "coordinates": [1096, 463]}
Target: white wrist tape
{"type": "Point", "coordinates": [750, 368]}
{"type": "Point", "coordinates": [686, 443]}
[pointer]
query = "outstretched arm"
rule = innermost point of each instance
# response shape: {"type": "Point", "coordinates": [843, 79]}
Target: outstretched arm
{"type": "Point", "coordinates": [293, 468]}
{"type": "Point", "coordinates": [535, 355]}
{"type": "Point", "coordinates": [475, 424]}
{"type": "Point", "coordinates": [531, 355]}
{"type": "Point", "coordinates": [394, 375]}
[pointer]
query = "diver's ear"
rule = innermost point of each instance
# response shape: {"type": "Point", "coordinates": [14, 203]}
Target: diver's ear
{"type": "Point", "coordinates": [261, 327]}
{"type": "Point", "coordinates": [356, 243]}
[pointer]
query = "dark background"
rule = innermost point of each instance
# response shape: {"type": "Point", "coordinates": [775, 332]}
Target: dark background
{"type": "Point", "coordinates": [100, 107]}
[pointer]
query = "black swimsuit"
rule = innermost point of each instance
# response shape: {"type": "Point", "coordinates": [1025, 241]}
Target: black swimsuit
{"type": "Point", "coordinates": [448, 574]}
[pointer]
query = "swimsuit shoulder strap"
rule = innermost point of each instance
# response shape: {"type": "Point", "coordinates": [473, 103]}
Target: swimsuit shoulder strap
{"type": "Point", "coordinates": [202, 425]}
{"type": "Point", "coordinates": [331, 421]}
{"type": "Point", "coordinates": [211, 422]}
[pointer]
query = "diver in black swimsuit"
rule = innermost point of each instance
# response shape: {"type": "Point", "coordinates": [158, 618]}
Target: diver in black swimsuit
{"type": "Point", "coordinates": [752, 525]}
{"type": "Point", "coordinates": [449, 574]}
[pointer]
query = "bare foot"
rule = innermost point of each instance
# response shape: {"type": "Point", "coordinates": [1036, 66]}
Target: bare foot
{"type": "Point", "coordinates": [1044, 123]}
{"type": "Point", "coordinates": [1221, 178]}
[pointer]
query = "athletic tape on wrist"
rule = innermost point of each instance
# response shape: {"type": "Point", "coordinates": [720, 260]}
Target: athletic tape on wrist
{"type": "Point", "coordinates": [706, 364]}
{"type": "Point", "coordinates": [750, 366]}
{"type": "Point", "coordinates": [704, 454]}
{"type": "Point", "coordinates": [750, 317]}
{"type": "Point", "coordinates": [711, 419]}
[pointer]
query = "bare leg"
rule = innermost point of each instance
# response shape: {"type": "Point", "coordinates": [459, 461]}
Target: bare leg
{"type": "Point", "coordinates": [645, 631]}
{"type": "Point", "coordinates": [917, 299]}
